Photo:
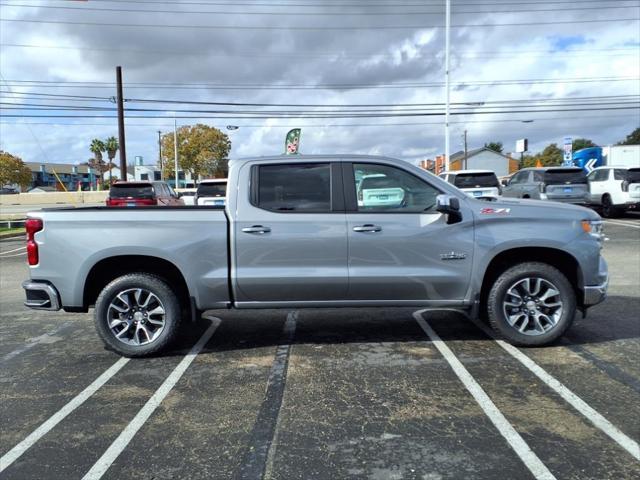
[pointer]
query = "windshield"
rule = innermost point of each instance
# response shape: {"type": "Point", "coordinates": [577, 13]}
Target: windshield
{"type": "Point", "coordinates": [135, 190]}
{"type": "Point", "coordinates": [212, 190]}
{"type": "Point", "coordinates": [471, 180]}
{"type": "Point", "coordinates": [565, 176]}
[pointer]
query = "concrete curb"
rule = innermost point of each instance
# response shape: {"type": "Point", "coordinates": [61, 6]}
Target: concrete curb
{"type": "Point", "coordinates": [9, 236]}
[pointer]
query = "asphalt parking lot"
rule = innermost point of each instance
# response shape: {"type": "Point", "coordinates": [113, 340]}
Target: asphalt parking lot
{"type": "Point", "coordinates": [331, 394]}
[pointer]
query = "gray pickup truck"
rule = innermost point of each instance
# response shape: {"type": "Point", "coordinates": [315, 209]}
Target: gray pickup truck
{"type": "Point", "coordinates": [309, 231]}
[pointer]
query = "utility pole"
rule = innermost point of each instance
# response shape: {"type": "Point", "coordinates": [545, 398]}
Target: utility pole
{"type": "Point", "coordinates": [446, 81]}
{"type": "Point", "coordinates": [465, 149]}
{"type": "Point", "coordinates": [160, 153]}
{"type": "Point", "coordinates": [121, 140]}
{"type": "Point", "coordinates": [175, 148]}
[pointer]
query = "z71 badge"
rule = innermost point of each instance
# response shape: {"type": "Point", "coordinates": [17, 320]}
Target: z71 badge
{"type": "Point", "coordinates": [495, 211]}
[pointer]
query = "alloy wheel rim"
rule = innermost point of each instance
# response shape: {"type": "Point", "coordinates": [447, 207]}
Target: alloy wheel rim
{"type": "Point", "coordinates": [136, 317]}
{"type": "Point", "coordinates": [532, 306]}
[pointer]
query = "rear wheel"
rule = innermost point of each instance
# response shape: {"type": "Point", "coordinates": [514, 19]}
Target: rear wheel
{"type": "Point", "coordinates": [531, 304]}
{"type": "Point", "coordinates": [608, 208]}
{"type": "Point", "coordinates": [137, 315]}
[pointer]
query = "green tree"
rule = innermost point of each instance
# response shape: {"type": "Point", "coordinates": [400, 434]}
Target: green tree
{"type": "Point", "coordinates": [632, 139]}
{"type": "Point", "coordinates": [580, 143]}
{"type": "Point", "coordinates": [111, 146]}
{"type": "Point", "coordinates": [495, 146]}
{"type": "Point", "coordinates": [97, 147]}
{"type": "Point", "coordinates": [202, 151]}
{"type": "Point", "coordinates": [551, 156]}
{"type": "Point", "coordinates": [13, 170]}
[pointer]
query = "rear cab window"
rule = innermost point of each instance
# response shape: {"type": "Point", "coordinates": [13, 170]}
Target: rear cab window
{"type": "Point", "coordinates": [475, 180]}
{"type": "Point", "coordinates": [131, 190]}
{"type": "Point", "coordinates": [212, 189]}
{"type": "Point", "coordinates": [565, 176]}
{"type": "Point", "coordinates": [291, 188]}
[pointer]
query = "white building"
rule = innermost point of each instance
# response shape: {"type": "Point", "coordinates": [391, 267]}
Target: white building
{"type": "Point", "coordinates": [140, 172]}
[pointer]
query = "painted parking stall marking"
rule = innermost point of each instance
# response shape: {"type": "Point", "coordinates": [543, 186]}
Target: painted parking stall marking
{"type": "Point", "coordinates": [622, 223]}
{"type": "Point", "coordinates": [258, 451]}
{"type": "Point", "coordinates": [513, 438]}
{"type": "Point", "coordinates": [571, 398]}
{"type": "Point", "coordinates": [125, 437]}
{"type": "Point", "coordinates": [46, 338]}
{"type": "Point", "coordinates": [15, 453]}
{"type": "Point", "coordinates": [12, 251]}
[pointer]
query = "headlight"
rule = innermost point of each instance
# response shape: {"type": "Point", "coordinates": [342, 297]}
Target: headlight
{"type": "Point", "coordinates": [595, 228]}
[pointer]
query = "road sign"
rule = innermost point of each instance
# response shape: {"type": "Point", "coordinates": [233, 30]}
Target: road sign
{"type": "Point", "coordinates": [522, 145]}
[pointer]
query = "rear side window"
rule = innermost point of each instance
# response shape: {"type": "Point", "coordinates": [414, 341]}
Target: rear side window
{"type": "Point", "coordinates": [565, 176]}
{"type": "Point", "coordinates": [472, 180]}
{"type": "Point", "coordinates": [633, 175]}
{"type": "Point", "coordinates": [212, 190]}
{"type": "Point", "coordinates": [299, 187]}
{"type": "Point", "coordinates": [619, 174]}
{"type": "Point", "coordinates": [131, 191]}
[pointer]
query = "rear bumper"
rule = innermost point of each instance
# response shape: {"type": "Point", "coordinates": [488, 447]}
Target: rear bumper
{"type": "Point", "coordinates": [41, 296]}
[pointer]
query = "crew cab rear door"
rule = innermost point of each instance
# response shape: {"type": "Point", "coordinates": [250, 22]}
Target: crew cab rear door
{"type": "Point", "coordinates": [290, 234]}
{"type": "Point", "coordinates": [400, 247]}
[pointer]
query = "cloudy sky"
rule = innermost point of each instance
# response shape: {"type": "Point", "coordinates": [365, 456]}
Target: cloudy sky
{"type": "Point", "coordinates": [539, 69]}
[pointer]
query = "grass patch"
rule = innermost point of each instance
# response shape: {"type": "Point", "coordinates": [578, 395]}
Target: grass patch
{"type": "Point", "coordinates": [8, 231]}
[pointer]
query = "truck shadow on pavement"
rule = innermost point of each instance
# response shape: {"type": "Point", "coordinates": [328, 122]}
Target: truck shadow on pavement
{"type": "Point", "coordinates": [251, 329]}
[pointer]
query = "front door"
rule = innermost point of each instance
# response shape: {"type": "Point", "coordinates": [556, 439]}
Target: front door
{"type": "Point", "coordinates": [400, 247]}
{"type": "Point", "coordinates": [291, 236]}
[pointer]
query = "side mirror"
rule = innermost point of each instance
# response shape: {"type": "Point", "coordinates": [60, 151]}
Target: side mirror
{"type": "Point", "coordinates": [449, 205]}
{"type": "Point", "coordinates": [505, 182]}
{"type": "Point", "coordinates": [178, 195]}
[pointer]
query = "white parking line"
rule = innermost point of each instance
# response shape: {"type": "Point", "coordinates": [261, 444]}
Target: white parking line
{"type": "Point", "coordinates": [13, 454]}
{"type": "Point", "coordinates": [571, 398]}
{"type": "Point", "coordinates": [624, 224]}
{"type": "Point", "coordinates": [14, 250]}
{"type": "Point", "coordinates": [120, 443]}
{"type": "Point", "coordinates": [513, 438]}
{"type": "Point", "coordinates": [14, 255]}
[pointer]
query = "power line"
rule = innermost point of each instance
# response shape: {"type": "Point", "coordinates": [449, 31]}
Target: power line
{"type": "Point", "coordinates": [341, 4]}
{"type": "Point", "coordinates": [313, 28]}
{"type": "Point", "coordinates": [311, 14]}
{"type": "Point", "coordinates": [215, 86]}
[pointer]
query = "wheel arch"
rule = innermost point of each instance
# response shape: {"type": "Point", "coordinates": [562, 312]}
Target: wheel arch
{"type": "Point", "coordinates": [113, 267]}
{"type": "Point", "coordinates": [560, 259]}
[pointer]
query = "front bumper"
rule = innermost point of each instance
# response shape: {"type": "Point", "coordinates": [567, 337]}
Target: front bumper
{"type": "Point", "coordinates": [41, 296]}
{"type": "Point", "coordinates": [594, 294]}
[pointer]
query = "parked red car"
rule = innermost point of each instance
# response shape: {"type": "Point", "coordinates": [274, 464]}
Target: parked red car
{"type": "Point", "coordinates": [135, 194]}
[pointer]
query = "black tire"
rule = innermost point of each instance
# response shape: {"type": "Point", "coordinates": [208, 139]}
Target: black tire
{"type": "Point", "coordinates": [169, 302]}
{"type": "Point", "coordinates": [510, 277]}
{"type": "Point", "coordinates": [608, 208]}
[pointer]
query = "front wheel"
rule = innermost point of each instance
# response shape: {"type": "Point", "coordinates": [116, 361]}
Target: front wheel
{"type": "Point", "coordinates": [137, 315]}
{"type": "Point", "coordinates": [531, 304]}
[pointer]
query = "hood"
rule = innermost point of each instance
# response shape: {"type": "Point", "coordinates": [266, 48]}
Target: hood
{"type": "Point", "coordinates": [535, 208]}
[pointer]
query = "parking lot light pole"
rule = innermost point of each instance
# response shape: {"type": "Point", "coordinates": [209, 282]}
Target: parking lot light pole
{"type": "Point", "coordinates": [121, 140]}
{"type": "Point", "coordinates": [160, 154]}
{"type": "Point", "coordinates": [446, 81]}
{"type": "Point", "coordinates": [175, 148]}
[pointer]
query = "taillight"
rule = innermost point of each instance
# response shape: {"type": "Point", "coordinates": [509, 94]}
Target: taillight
{"type": "Point", "coordinates": [32, 225]}
{"type": "Point", "coordinates": [543, 188]}
{"type": "Point", "coordinates": [110, 203]}
{"type": "Point", "coordinates": [625, 186]}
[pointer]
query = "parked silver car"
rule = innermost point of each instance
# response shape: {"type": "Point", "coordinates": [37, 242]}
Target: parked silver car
{"type": "Point", "coordinates": [560, 184]}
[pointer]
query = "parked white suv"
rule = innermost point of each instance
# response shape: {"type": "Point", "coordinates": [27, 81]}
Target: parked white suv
{"type": "Point", "coordinates": [211, 192]}
{"type": "Point", "coordinates": [475, 183]}
{"type": "Point", "coordinates": [614, 189]}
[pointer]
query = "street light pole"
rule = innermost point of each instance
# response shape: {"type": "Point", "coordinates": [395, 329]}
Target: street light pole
{"type": "Point", "coordinates": [446, 81]}
{"type": "Point", "coordinates": [175, 148]}
{"type": "Point", "coordinates": [160, 154]}
{"type": "Point", "coordinates": [121, 139]}
{"type": "Point", "coordinates": [465, 149]}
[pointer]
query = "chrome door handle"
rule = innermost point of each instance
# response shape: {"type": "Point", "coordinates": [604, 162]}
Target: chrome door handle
{"type": "Point", "coordinates": [256, 229]}
{"type": "Point", "coordinates": [368, 228]}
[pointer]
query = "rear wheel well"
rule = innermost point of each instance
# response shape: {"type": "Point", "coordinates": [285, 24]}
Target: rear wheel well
{"type": "Point", "coordinates": [559, 259]}
{"type": "Point", "coordinates": [111, 268]}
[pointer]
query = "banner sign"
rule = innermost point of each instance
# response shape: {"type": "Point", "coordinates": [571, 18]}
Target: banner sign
{"type": "Point", "coordinates": [292, 142]}
{"type": "Point", "coordinates": [568, 160]}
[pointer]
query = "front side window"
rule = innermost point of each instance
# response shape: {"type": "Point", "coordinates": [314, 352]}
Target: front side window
{"type": "Point", "coordinates": [518, 178]}
{"type": "Point", "coordinates": [296, 187]}
{"type": "Point", "coordinates": [381, 188]}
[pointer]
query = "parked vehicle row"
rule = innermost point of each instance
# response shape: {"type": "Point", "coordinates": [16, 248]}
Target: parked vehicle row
{"type": "Point", "coordinates": [482, 184]}
{"type": "Point", "coordinates": [158, 193]}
